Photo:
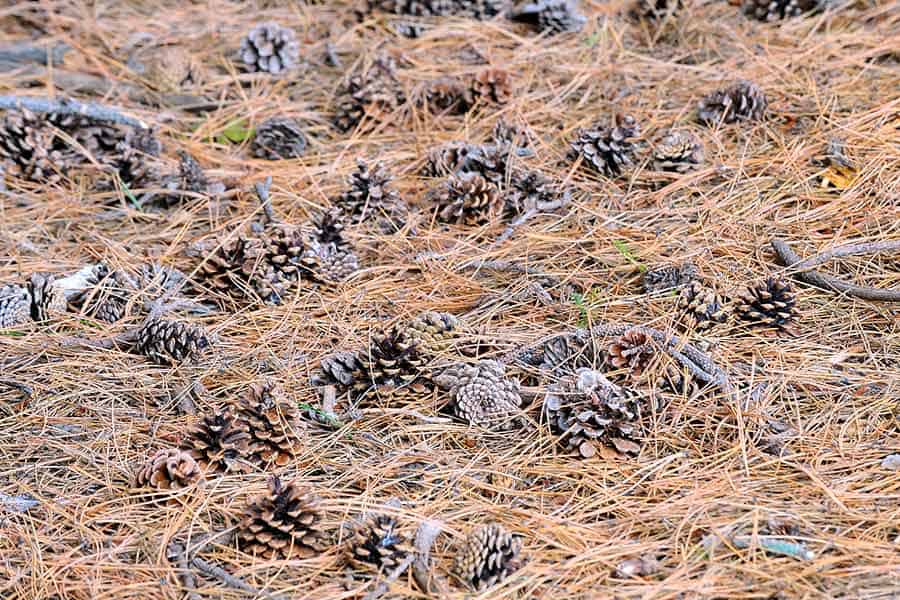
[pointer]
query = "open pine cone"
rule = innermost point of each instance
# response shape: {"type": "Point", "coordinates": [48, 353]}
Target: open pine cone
{"type": "Point", "coordinates": [166, 342]}
{"type": "Point", "coordinates": [391, 368]}
{"type": "Point", "coordinates": [370, 196]}
{"type": "Point", "coordinates": [279, 138]}
{"type": "Point", "coordinates": [678, 152]}
{"type": "Point", "coordinates": [488, 556]}
{"type": "Point", "coordinates": [587, 409]}
{"type": "Point", "coordinates": [775, 10]}
{"type": "Point", "coordinates": [492, 85]}
{"type": "Point", "coordinates": [15, 306]}
{"type": "Point", "coordinates": [668, 277]}
{"type": "Point", "coordinates": [460, 158]}
{"type": "Point", "coordinates": [221, 444]}
{"type": "Point", "coordinates": [47, 298]}
{"type": "Point", "coordinates": [433, 332]}
{"type": "Point", "coordinates": [373, 93]}
{"type": "Point", "coordinates": [448, 94]}
{"type": "Point", "coordinates": [701, 306]}
{"type": "Point", "coordinates": [285, 522]}
{"type": "Point", "coordinates": [482, 395]}
{"type": "Point", "coordinates": [609, 150]}
{"type": "Point", "coordinates": [771, 303]}
{"type": "Point", "coordinates": [466, 199]}
{"type": "Point", "coordinates": [551, 16]}
{"type": "Point", "coordinates": [632, 351]}
{"type": "Point", "coordinates": [273, 422]}
{"type": "Point", "coordinates": [168, 470]}
{"type": "Point", "coordinates": [106, 296]}
{"type": "Point", "coordinates": [378, 543]}
{"type": "Point", "coordinates": [741, 101]}
{"type": "Point", "coordinates": [270, 48]}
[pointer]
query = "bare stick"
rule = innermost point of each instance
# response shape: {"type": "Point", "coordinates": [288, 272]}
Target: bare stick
{"type": "Point", "coordinates": [70, 107]}
{"type": "Point", "coordinates": [430, 582]}
{"type": "Point", "coordinates": [845, 250]}
{"type": "Point", "coordinates": [385, 585]}
{"type": "Point", "coordinates": [17, 54]}
{"type": "Point", "coordinates": [227, 578]}
{"type": "Point", "coordinates": [262, 190]}
{"type": "Point", "coordinates": [789, 258]}
{"type": "Point", "coordinates": [178, 553]}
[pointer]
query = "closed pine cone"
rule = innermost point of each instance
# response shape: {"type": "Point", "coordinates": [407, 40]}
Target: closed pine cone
{"type": "Point", "coordinates": [285, 522]}
{"type": "Point", "coordinates": [632, 351]}
{"type": "Point", "coordinates": [701, 306]}
{"type": "Point", "coordinates": [482, 395]}
{"type": "Point", "coordinates": [669, 276]}
{"type": "Point", "coordinates": [167, 342]}
{"type": "Point", "coordinates": [609, 150]}
{"type": "Point", "coordinates": [270, 48]}
{"type": "Point", "coordinates": [551, 16]}
{"type": "Point", "coordinates": [15, 306]}
{"type": "Point", "coordinates": [771, 303]}
{"type": "Point", "coordinates": [775, 10]}
{"type": "Point", "coordinates": [493, 86]}
{"type": "Point", "coordinates": [741, 101]}
{"type": "Point", "coordinates": [273, 422]}
{"type": "Point", "coordinates": [169, 469]}
{"type": "Point", "coordinates": [586, 409]}
{"type": "Point", "coordinates": [467, 199]}
{"type": "Point", "coordinates": [371, 196]}
{"type": "Point", "coordinates": [47, 298]}
{"type": "Point", "coordinates": [678, 152]}
{"type": "Point", "coordinates": [378, 543]}
{"type": "Point", "coordinates": [488, 556]}
{"type": "Point", "coordinates": [221, 444]}
{"type": "Point", "coordinates": [434, 332]}
{"type": "Point", "coordinates": [391, 368]}
{"type": "Point", "coordinates": [279, 138]}
{"type": "Point", "coordinates": [373, 93]}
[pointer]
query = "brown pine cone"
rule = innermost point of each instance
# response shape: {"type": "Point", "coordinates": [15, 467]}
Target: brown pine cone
{"type": "Point", "coordinates": [530, 190]}
{"type": "Point", "coordinates": [221, 444]}
{"type": "Point", "coordinates": [378, 543]}
{"type": "Point", "coordinates": [551, 16]}
{"type": "Point", "coordinates": [15, 306]}
{"type": "Point", "coordinates": [586, 409]}
{"type": "Point", "coordinates": [458, 158]}
{"type": "Point", "coordinates": [373, 93]}
{"type": "Point", "coordinates": [273, 422]}
{"type": "Point", "coordinates": [285, 522]}
{"type": "Point", "coordinates": [482, 395]}
{"type": "Point", "coordinates": [741, 101]}
{"type": "Point", "coordinates": [168, 342]}
{"type": "Point", "coordinates": [328, 255]}
{"type": "Point", "coordinates": [632, 351]}
{"type": "Point", "coordinates": [466, 199]}
{"type": "Point", "coordinates": [678, 152]}
{"type": "Point", "coordinates": [106, 296]}
{"type": "Point", "coordinates": [668, 277]}
{"type": "Point", "coordinates": [701, 306]}
{"type": "Point", "coordinates": [169, 469]}
{"type": "Point", "coordinates": [392, 368]}
{"type": "Point", "coordinates": [371, 196]}
{"type": "Point", "coordinates": [771, 303]}
{"type": "Point", "coordinates": [448, 94]}
{"type": "Point", "coordinates": [609, 150]}
{"type": "Point", "coordinates": [279, 138]}
{"type": "Point", "coordinates": [338, 369]}
{"type": "Point", "coordinates": [47, 298]}
{"type": "Point", "coordinates": [434, 332]}
{"type": "Point", "coordinates": [493, 86]}
{"type": "Point", "coordinates": [488, 556]}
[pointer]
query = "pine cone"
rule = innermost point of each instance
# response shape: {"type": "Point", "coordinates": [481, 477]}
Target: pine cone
{"type": "Point", "coordinates": [668, 277]}
{"type": "Point", "coordinates": [508, 134]}
{"type": "Point", "coordinates": [273, 422]}
{"type": "Point", "coordinates": [632, 351]}
{"type": "Point", "coordinates": [283, 523]}
{"type": "Point", "coordinates": [466, 199]}
{"type": "Point", "coordinates": [476, 9]}
{"type": "Point", "coordinates": [169, 470]}
{"type": "Point", "coordinates": [678, 152]}
{"type": "Point", "coordinates": [107, 294]}
{"type": "Point", "coordinates": [270, 48]}
{"type": "Point", "coordinates": [482, 395]}
{"type": "Point", "coordinates": [587, 409]}
{"type": "Point", "coordinates": [47, 298]}
{"type": "Point", "coordinates": [775, 10]}
{"type": "Point", "coordinates": [328, 255]}
{"type": "Point", "coordinates": [741, 101]}
{"type": "Point", "coordinates": [458, 158]}
{"type": "Point", "coordinates": [374, 93]}
{"type": "Point", "coordinates": [371, 196]}
{"type": "Point", "coordinates": [156, 279]}
{"type": "Point", "coordinates": [701, 306]}
{"type": "Point", "coordinates": [221, 444]}
{"type": "Point", "coordinates": [609, 150]}
{"type": "Point", "coordinates": [570, 352]}
{"type": "Point", "coordinates": [488, 556]}
{"type": "Point", "coordinates": [135, 158]}
{"type": "Point", "coordinates": [433, 332]}
{"type": "Point", "coordinates": [448, 94]}
{"type": "Point", "coordinates": [657, 9]}
{"type": "Point", "coordinates": [530, 190]}
{"type": "Point", "coordinates": [377, 542]}
{"type": "Point", "coordinates": [492, 85]}
{"type": "Point", "coordinates": [771, 303]}
{"type": "Point", "coordinates": [391, 368]}
{"type": "Point", "coordinates": [169, 342]}
{"type": "Point", "coordinates": [29, 148]}
{"type": "Point", "coordinates": [15, 306]}
{"type": "Point", "coordinates": [279, 138]}
{"type": "Point", "coordinates": [551, 16]}
{"type": "Point", "coordinates": [338, 369]}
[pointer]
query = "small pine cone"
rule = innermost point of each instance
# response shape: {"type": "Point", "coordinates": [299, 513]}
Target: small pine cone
{"type": "Point", "coordinates": [273, 422]}
{"type": "Point", "coordinates": [136, 158]}
{"type": "Point", "coordinates": [587, 409]}
{"type": "Point", "coordinates": [551, 16]}
{"type": "Point", "coordinates": [466, 199]}
{"type": "Point", "coordinates": [632, 351]}
{"type": "Point", "coordinates": [15, 306]}
{"type": "Point", "coordinates": [47, 298]}
{"type": "Point", "coordinates": [285, 522]}
{"type": "Point", "coordinates": [191, 175]}
{"type": "Point", "coordinates": [434, 332]}
{"type": "Point", "coordinates": [270, 48]}
{"type": "Point", "coordinates": [506, 134]}
{"type": "Point", "coordinates": [530, 190]}
{"type": "Point", "coordinates": [771, 303]}
{"type": "Point", "coordinates": [775, 10]}
{"type": "Point", "coordinates": [570, 352]}
{"type": "Point", "coordinates": [170, 342]}
{"type": "Point", "coordinates": [221, 444]}
{"type": "Point", "coordinates": [482, 395]}
{"type": "Point", "coordinates": [448, 94]}
{"type": "Point", "coordinates": [374, 93]}
{"type": "Point", "coordinates": [668, 277]}
{"type": "Point", "coordinates": [488, 556]}
{"type": "Point", "coordinates": [701, 306]}
{"type": "Point", "coordinates": [741, 101]}
{"type": "Point", "coordinates": [657, 9]}
{"type": "Point", "coordinates": [279, 138]}
{"type": "Point", "coordinates": [678, 152]}
{"type": "Point", "coordinates": [609, 150]}
{"type": "Point", "coordinates": [492, 85]}
{"type": "Point", "coordinates": [338, 369]}
{"type": "Point", "coordinates": [457, 158]}
{"type": "Point", "coordinates": [391, 368]}
{"type": "Point", "coordinates": [370, 195]}
{"type": "Point", "coordinates": [378, 543]}
{"type": "Point", "coordinates": [169, 470]}
{"type": "Point", "coordinates": [328, 256]}
{"type": "Point", "coordinates": [106, 295]}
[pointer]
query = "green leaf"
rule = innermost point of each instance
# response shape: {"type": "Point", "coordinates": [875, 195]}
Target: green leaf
{"type": "Point", "coordinates": [127, 191]}
{"type": "Point", "coordinates": [623, 249]}
{"type": "Point", "coordinates": [13, 333]}
{"type": "Point", "coordinates": [235, 132]}
{"type": "Point", "coordinates": [332, 420]}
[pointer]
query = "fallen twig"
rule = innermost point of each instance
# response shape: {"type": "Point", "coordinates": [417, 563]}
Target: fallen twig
{"type": "Point", "coordinates": [70, 107]}
{"type": "Point", "coordinates": [17, 54]}
{"type": "Point", "coordinates": [385, 585]}
{"type": "Point", "coordinates": [262, 191]}
{"type": "Point", "coordinates": [789, 258]}
{"type": "Point", "coordinates": [430, 582]}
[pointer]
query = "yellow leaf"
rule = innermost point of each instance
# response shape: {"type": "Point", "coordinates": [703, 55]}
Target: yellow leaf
{"type": "Point", "coordinates": [839, 176]}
